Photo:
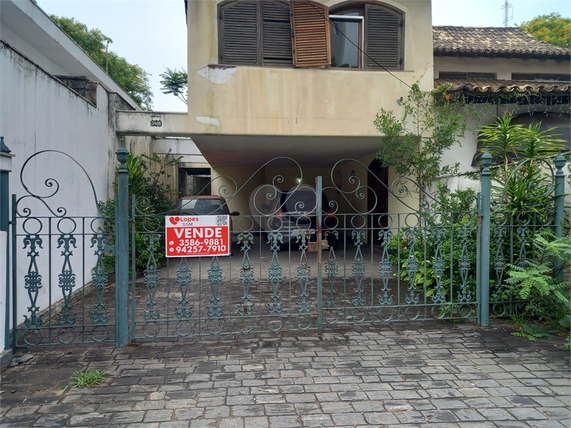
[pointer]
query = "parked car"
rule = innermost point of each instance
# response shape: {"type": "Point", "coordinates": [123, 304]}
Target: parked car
{"type": "Point", "coordinates": [287, 212]}
{"type": "Point", "coordinates": [204, 205]}
{"type": "Point", "coordinates": [299, 210]}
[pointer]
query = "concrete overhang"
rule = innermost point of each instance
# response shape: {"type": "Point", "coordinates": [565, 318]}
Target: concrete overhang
{"type": "Point", "coordinates": [242, 150]}
{"type": "Point", "coordinates": [28, 29]}
{"type": "Point", "coordinates": [246, 150]}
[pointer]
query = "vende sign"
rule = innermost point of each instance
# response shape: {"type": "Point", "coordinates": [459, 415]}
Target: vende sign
{"type": "Point", "coordinates": [194, 236]}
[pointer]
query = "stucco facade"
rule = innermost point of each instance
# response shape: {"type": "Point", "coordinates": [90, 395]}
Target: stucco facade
{"type": "Point", "coordinates": [242, 116]}
{"type": "Point", "coordinates": [295, 102]}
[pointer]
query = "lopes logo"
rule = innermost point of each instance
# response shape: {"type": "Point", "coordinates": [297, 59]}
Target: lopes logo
{"type": "Point", "coordinates": [175, 220]}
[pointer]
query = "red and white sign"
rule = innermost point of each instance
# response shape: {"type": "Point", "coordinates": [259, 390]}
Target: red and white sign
{"type": "Point", "coordinates": [198, 235]}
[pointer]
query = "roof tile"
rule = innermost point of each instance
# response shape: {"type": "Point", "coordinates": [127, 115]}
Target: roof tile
{"type": "Point", "coordinates": [492, 41]}
{"type": "Point", "coordinates": [503, 86]}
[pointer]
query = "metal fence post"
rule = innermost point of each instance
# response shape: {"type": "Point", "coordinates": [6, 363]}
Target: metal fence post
{"type": "Point", "coordinates": [122, 249]}
{"type": "Point", "coordinates": [5, 168]}
{"type": "Point", "coordinates": [559, 208]}
{"type": "Point", "coordinates": [484, 291]}
{"type": "Point", "coordinates": [319, 200]}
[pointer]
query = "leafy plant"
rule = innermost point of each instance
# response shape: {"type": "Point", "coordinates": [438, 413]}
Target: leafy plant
{"type": "Point", "coordinates": [86, 379]}
{"type": "Point", "coordinates": [523, 186]}
{"type": "Point", "coordinates": [552, 28]}
{"type": "Point", "coordinates": [451, 216]}
{"type": "Point", "coordinates": [533, 330]}
{"type": "Point", "coordinates": [154, 198]}
{"type": "Point", "coordinates": [502, 139]}
{"type": "Point", "coordinates": [414, 143]}
{"type": "Point", "coordinates": [175, 82]}
{"type": "Point", "coordinates": [546, 298]}
{"type": "Point", "coordinates": [538, 276]}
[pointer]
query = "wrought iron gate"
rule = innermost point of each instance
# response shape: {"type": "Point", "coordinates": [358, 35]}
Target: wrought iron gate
{"type": "Point", "coordinates": [366, 268]}
{"type": "Point", "coordinates": [61, 293]}
{"type": "Point", "coordinates": [303, 258]}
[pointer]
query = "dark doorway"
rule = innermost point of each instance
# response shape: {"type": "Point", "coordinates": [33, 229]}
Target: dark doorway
{"type": "Point", "coordinates": [377, 181]}
{"type": "Point", "coordinates": [194, 181]}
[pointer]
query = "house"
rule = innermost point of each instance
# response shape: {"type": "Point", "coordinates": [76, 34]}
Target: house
{"type": "Point", "coordinates": [275, 78]}
{"type": "Point", "coordinates": [280, 92]}
{"type": "Point", "coordinates": [498, 70]}
{"type": "Point", "coordinates": [304, 79]}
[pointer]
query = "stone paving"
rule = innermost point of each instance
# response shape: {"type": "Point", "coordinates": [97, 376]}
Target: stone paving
{"type": "Point", "coordinates": [431, 374]}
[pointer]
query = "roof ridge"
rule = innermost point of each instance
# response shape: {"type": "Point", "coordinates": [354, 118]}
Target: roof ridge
{"type": "Point", "coordinates": [493, 41]}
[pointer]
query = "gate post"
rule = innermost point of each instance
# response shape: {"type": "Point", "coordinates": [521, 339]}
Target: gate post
{"type": "Point", "coordinates": [559, 208]}
{"type": "Point", "coordinates": [319, 231]}
{"type": "Point", "coordinates": [122, 249]}
{"type": "Point", "coordinates": [484, 285]}
{"type": "Point", "coordinates": [5, 168]}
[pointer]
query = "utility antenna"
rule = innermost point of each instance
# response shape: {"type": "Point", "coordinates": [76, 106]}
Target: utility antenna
{"type": "Point", "coordinates": [507, 17]}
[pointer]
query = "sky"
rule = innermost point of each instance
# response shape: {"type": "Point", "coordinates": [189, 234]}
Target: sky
{"type": "Point", "coordinates": [152, 33]}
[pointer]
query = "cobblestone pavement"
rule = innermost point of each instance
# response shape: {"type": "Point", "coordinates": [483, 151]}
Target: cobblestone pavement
{"type": "Point", "coordinates": [436, 374]}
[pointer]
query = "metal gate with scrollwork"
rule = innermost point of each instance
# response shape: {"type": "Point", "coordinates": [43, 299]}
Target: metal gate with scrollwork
{"type": "Point", "coordinates": [367, 268]}
{"type": "Point", "coordinates": [305, 256]}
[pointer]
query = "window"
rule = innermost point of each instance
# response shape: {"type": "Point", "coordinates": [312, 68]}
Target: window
{"type": "Point", "coordinates": [361, 35]}
{"type": "Point", "coordinates": [461, 75]}
{"type": "Point", "coordinates": [346, 40]}
{"type": "Point", "coordinates": [305, 33]}
{"type": "Point", "coordinates": [254, 32]}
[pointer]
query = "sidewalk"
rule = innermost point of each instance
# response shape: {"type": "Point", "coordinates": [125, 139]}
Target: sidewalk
{"type": "Point", "coordinates": [436, 374]}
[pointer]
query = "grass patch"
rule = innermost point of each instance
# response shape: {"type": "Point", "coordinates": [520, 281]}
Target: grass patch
{"type": "Point", "coordinates": [86, 379]}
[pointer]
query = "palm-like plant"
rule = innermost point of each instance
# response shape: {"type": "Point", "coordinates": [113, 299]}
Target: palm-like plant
{"type": "Point", "coordinates": [524, 188]}
{"type": "Point", "coordinates": [503, 140]}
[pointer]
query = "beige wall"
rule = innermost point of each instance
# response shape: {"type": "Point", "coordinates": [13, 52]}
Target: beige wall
{"type": "Point", "coordinates": [503, 67]}
{"type": "Point", "coordinates": [296, 102]}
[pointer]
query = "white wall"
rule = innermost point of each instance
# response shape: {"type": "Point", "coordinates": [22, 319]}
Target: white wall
{"type": "Point", "coordinates": [465, 151]}
{"type": "Point", "coordinates": [43, 114]}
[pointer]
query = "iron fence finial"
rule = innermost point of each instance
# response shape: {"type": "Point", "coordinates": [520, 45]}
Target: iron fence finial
{"type": "Point", "coordinates": [487, 159]}
{"type": "Point", "coordinates": [3, 147]}
{"type": "Point", "coordinates": [559, 161]}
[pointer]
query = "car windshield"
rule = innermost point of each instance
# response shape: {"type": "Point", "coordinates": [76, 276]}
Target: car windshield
{"type": "Point", "coordinates": [203, 206]}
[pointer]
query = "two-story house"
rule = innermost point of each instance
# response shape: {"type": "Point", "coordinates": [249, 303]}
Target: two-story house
{"type": "Point", "coordinates": [300, 78]}
{"type": "Point", "coordinates": [304, 79]}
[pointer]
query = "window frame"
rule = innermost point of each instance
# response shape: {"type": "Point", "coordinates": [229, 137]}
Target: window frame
{"type": "Point", "coordinates": [363, 8]}
{"type": "Point", "coordinates": [361, 20]}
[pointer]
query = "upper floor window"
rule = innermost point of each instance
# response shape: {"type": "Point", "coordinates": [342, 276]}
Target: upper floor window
{"type": "Point", "coordinates": [306, 33]}
{"type": "Point", "coordinates": [254, 32]}
{"type": "Point", "coordinates": [379, 35]}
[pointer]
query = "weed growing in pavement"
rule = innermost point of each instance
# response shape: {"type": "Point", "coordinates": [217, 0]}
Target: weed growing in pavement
{"type": "Point", "coordinates": [86, 379]}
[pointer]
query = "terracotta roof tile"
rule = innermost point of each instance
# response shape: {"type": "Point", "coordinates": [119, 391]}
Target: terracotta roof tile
{"type": "Point", "coordinates": [504, 86]}
{"type": "Point", "coordinates": [492, 41]}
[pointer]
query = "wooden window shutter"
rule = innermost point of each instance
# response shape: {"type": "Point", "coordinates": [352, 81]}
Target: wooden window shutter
{"type": "Point", "coordinates": [311, 33]}
{"type": "Point", "coordinates": [276, 33]}
{"type": "Point", "coordinates": [238, 33]}
{"type": "Point", "coordinates": [383, 38]}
